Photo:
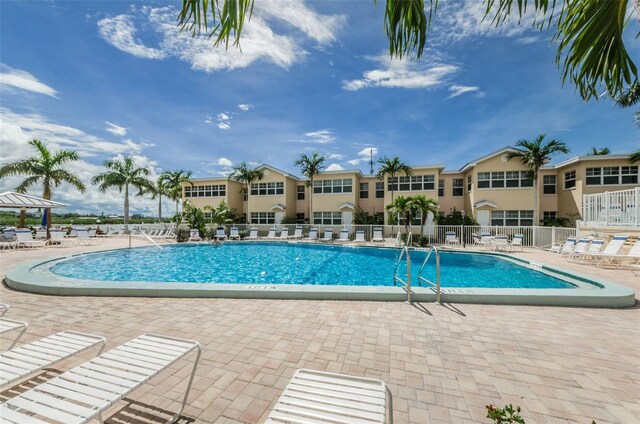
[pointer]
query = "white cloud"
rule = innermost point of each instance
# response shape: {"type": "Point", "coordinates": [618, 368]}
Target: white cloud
{"type": "Point", "coordinates": [224, 121]}
{"type": "Point", "coordinates": [336, 156]}
{"type": "Point", "coordinates": [223, 117]}
{"type": "Point", "coordinates": [319, 137]}
{"type": "Point", "coordinates": [259, 41]}
{"type": "Point", "coordinates": [116, 129]}
{"type": "Point", "coordinates": [335, 167]}
{"type": "Point", "coordinates": [224, 126]}
{"type": "Point", "coordinates": [527, 40]}
{"type": "Point", "coordinates": [457, 90]}
{"type": "Point", "coordinates": [120, 32]}
{"type": "Point", "coordinates": [17, 129]}
{"type": "Point", "coordinates": [208, 119]}
{"type": "Point", "coordinates": [394, 73]}
{"type": "Point", "coordinates": [364, 155]}
{"type": "Point", "coordinates": [23, 80]}
{"type": "Point", "coordinates": [224, 162]}
{"type": "Point", "coordinates": [244, 107]}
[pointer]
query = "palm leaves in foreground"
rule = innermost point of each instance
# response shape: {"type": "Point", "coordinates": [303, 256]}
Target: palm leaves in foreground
{"type": "Point", "coordinates": [589, 33]}
{"type": "Point", "coordinates": [172, 181]}
{"type": "Point", "coordinates": [45, 169]}
{"type": "Point", "coordinates": [122, 174]}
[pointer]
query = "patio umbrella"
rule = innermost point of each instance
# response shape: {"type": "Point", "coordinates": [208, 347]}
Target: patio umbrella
{"type": "Point", "coordinates": [43, 224]}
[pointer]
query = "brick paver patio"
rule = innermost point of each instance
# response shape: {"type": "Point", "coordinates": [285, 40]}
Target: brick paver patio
{"type": "Point", "coordinates": [442, 363]}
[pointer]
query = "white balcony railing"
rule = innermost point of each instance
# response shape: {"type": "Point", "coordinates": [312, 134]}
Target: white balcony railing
{"type": "Point", "coordinates": [612, 208]}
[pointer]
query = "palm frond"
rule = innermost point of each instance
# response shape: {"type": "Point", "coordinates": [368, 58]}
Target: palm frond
{"type": "Point", "coordinates": [24, 185]}
{"type": "Point", "coordinates": [406, 25]}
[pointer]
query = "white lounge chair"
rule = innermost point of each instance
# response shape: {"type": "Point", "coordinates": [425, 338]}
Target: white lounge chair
{"type": "Point", "coordinates": [565, 248]}
{"type": "Point", "coordinates": [580, 247]}
{"type": "Point", "coordinates": [360, 238]}
{"type": "Point", "coordinates": [611, 250]}
{"type": "Point", "coordinates": [194, 235]}
{"type": "Point", "coordinates": [84, 239]}
{"type": "Point", "coordinates": [517, 241]}
{"type": "Point", "coordinates": [7, 325]}
{"type": "Point", "coordinates": [344, 236]}
{"type": "Point", "coordinates": [25, 238]}
{"type": "Point", "coordinates": [315, 397]}
{"type": "Point", "coordinates": [451, 238]}
{"type": "Point", "coordinates": [501, 242]}
{"type": "Point", "coordinates": [284, 234]}
{"type": "Point", "coordinates": [86, 391]}
{"type": "Point", "coordinates": [478, 242]}
{"type": "Point", "coordinates": [632, 257]}
{"type": "Point", "coordinates": [220, 234]}
{"type": "Point", "coordinates": [253, 234]}
{"type": "Point", "coordinates": [328, 235]}
{"type": "Point", "coordinates": [271, 235]}
{"type": "Point", "coordinates": [594, 247]}
{"type": "Point", "coordinates": [313, 235]}
{"type": "Point", "coordinates": [486, 239]}
{"type": "Point", "coordinates": [297, 233]}
{"type": "Point", "coordinates": [234, 234]}
{"type": "Point", "coordinates": [40, 354]}
{"type": "Point", "coordinates": [4, 308]}
{"type": "Point", "coordinates": [377, 235]}
{"type": "Point", "coordinates": [41, 234]}
{"type": "Point", "coordinates": [58, 238]}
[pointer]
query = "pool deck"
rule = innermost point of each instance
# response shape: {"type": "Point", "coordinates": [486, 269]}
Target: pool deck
{"type": "Point", "coordinates": [442, 363]}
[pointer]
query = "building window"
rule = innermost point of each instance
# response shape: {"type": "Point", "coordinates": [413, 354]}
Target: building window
{"type": "Point", "coordinates": [440, 188]}
{"type": "Point", "coordinates": [263, 218]}
{"type": "Point", "coordinates": [267, 189]}
{"type": "Point", "coordinates": [380, 190]}
{"type": "Point", "coordinates": [512, 218]}
{"type": "Point", "coordinates": [333, 186]}
{"type": "Point", "coordinates": [327, 218]}
{"type": "Point", "coordinates": [469, 183]}
{"type": "Point", "coordinates": [549, 215]}
{"type": "Point", "coordinates": [300, 218]}
{"type": "Point", "coordinates": [502, 179]}
{"type": "Point", "coordinates": [569, 179]}
{"type": "Point", "coordinates": [364, 190]}
{"type": "Point", "coordinates": [457, 185]}
{"type": "Point", "coordinates": [219, 190]}
{"type": "Point", "coordinates": [612, 175]}
{"type": "Point", "coordinates": [413, 183]}
{"type": "Point", "coordinates": [300, 192]}
{"type": "Point", "coordinates": [549, 184]}
{"type": "Point", "coordinates": [415, 220]}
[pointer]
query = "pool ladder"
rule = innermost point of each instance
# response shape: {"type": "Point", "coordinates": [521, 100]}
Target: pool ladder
{"type": "Point", "coordinates": [405, 252]}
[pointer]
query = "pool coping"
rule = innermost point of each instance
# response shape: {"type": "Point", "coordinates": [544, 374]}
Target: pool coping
{"type": "Point", "coordinates": [609, 295]}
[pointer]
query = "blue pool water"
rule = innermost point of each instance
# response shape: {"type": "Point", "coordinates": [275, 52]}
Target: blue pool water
{"type": "Point", "coordinates": [293, 263]}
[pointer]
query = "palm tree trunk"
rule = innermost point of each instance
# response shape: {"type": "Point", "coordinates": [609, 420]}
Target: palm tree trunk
{"type": "Point", "coordinates": [126, 208]}
{"type": "Point", "coordinates": [310, 200]}
{"type": "Point", "coordinates": [47, 195]}
{"type": "Point", "coordinates": [159, 207]}
{"type": "Point", "coordinates": [23, 214]}
{"type": "Point", "coordinates": [246, 208]}
{"type": "Point", "coordinates": [177, 212]}
{"type": "Point", "coordinates": [535, 200]}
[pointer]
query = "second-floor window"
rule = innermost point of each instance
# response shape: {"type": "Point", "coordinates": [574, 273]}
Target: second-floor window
{"type": "Point", "coordinates": [569, 179]}
{"type": "Point", "coordinates": [612, 175]}
{"type": "Point", "coordinates": [300, 189]}
{"type": "Point", "coordinates": [469, 181]}
{"type": "Point", "coordinates": [267, 189]}
{"type": "Point", "coordinates": [327, 218]}
{"type": "Point", "coordinates": [205, 191]}
{"type": "Point", "coordinates": [457, 187]}
{"type": "Point", "coordinates": [413, 183]}
{"type": "Point", "coordinates": [333, 186]}
{"type": "Point", "coordinates": [379, 190]}
{"type": "Point", "coordinates": [364, 190]}
{"type": "Point", "coordinates": [440, 188]}
{"type": "Point", "coordinates": [502, 179]}
{"type": "Point", "coordinates": [549, 184]}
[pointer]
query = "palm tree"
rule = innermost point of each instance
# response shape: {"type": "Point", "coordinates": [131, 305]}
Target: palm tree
{"type": "Point", "coordinates": [599, 152]}
{"type": "Point", "coordinates": [123, 173]}
{"type": "Point", "coordinates": [391, 167]}
{"type": "Point", "coordinates": [534, 155]}
{"type": "Point", "coordinates": [310, 166]}
{"type": "Point", "coordinates": [222, 214]}
{"type": "Point", "coordinates": [172, 181]}
{"type": "Point", "coordinates": [46, 169]}
{"type": "Point", "coordinates": [590, 34]}
{"type": "Point", "coordinates": [629, 98]}
{"type": "Point", "coordinates": [158, 190]}
{"type": "Point", "coordinates": [635, 156]}
{"type": "Point", "coordinates": [246, 175]}
{"type": "Point", "coordinates": [403, 207]}
{"type": "Point", "coordinates": [423, 206]}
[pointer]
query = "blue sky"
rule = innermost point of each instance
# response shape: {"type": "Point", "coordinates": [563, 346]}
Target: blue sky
{"type": "Point", "coordinates": [114, 78]}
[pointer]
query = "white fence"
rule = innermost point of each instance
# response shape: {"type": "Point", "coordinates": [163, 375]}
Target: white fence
{"type": "Point", "coordinates": [612, 208]}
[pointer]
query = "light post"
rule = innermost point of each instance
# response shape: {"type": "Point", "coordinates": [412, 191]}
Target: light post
{"type": "Point", "coordinates": [464, 244]}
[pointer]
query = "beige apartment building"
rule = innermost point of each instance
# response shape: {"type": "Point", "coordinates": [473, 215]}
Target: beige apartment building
{"type": "Point", "coordinates": [492, 189]}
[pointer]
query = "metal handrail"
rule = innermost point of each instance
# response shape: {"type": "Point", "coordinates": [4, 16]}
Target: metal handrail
{"type": "Point", "coordinates": [396, 279]}
{"type": "Point", "coordinates": [424, 263]}
{"type": "Point", "coordinates": [399, 239]}
{"type": "Point", "coordinates": [150, 239]}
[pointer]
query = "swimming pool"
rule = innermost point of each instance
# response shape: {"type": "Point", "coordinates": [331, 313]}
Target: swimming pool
{"type": "Point", "coordinates": [297, 263]}
{"type": "Point", "coordinates": [279, 270]}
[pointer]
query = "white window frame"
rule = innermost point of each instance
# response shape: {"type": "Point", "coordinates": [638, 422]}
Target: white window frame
{"type": "Point", "coordinates": [512, 218]}
{"type": "Point", "coordinates": [547, 183]}
{"type": "Point", "coordinates": [457, 183]}
{"type": "Point", "coordinates": [335, 186]}
{"type": "Point", "coordinates": [603, 173]}
{"type": "Point", "coordinates": [275, 188]}
{"type": "Point", "coordinates": [570, 177]}
{"type": "Point", "coordinates": [412, 183]}
{"type": "Point", "coordinates": [263, 218]}
{"type": "Point", "coordinates": [364, 188]}
{"type": "Point", "coordinates": [327, 218]}
{"type": "Point", "coordinates": [207, 190]}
